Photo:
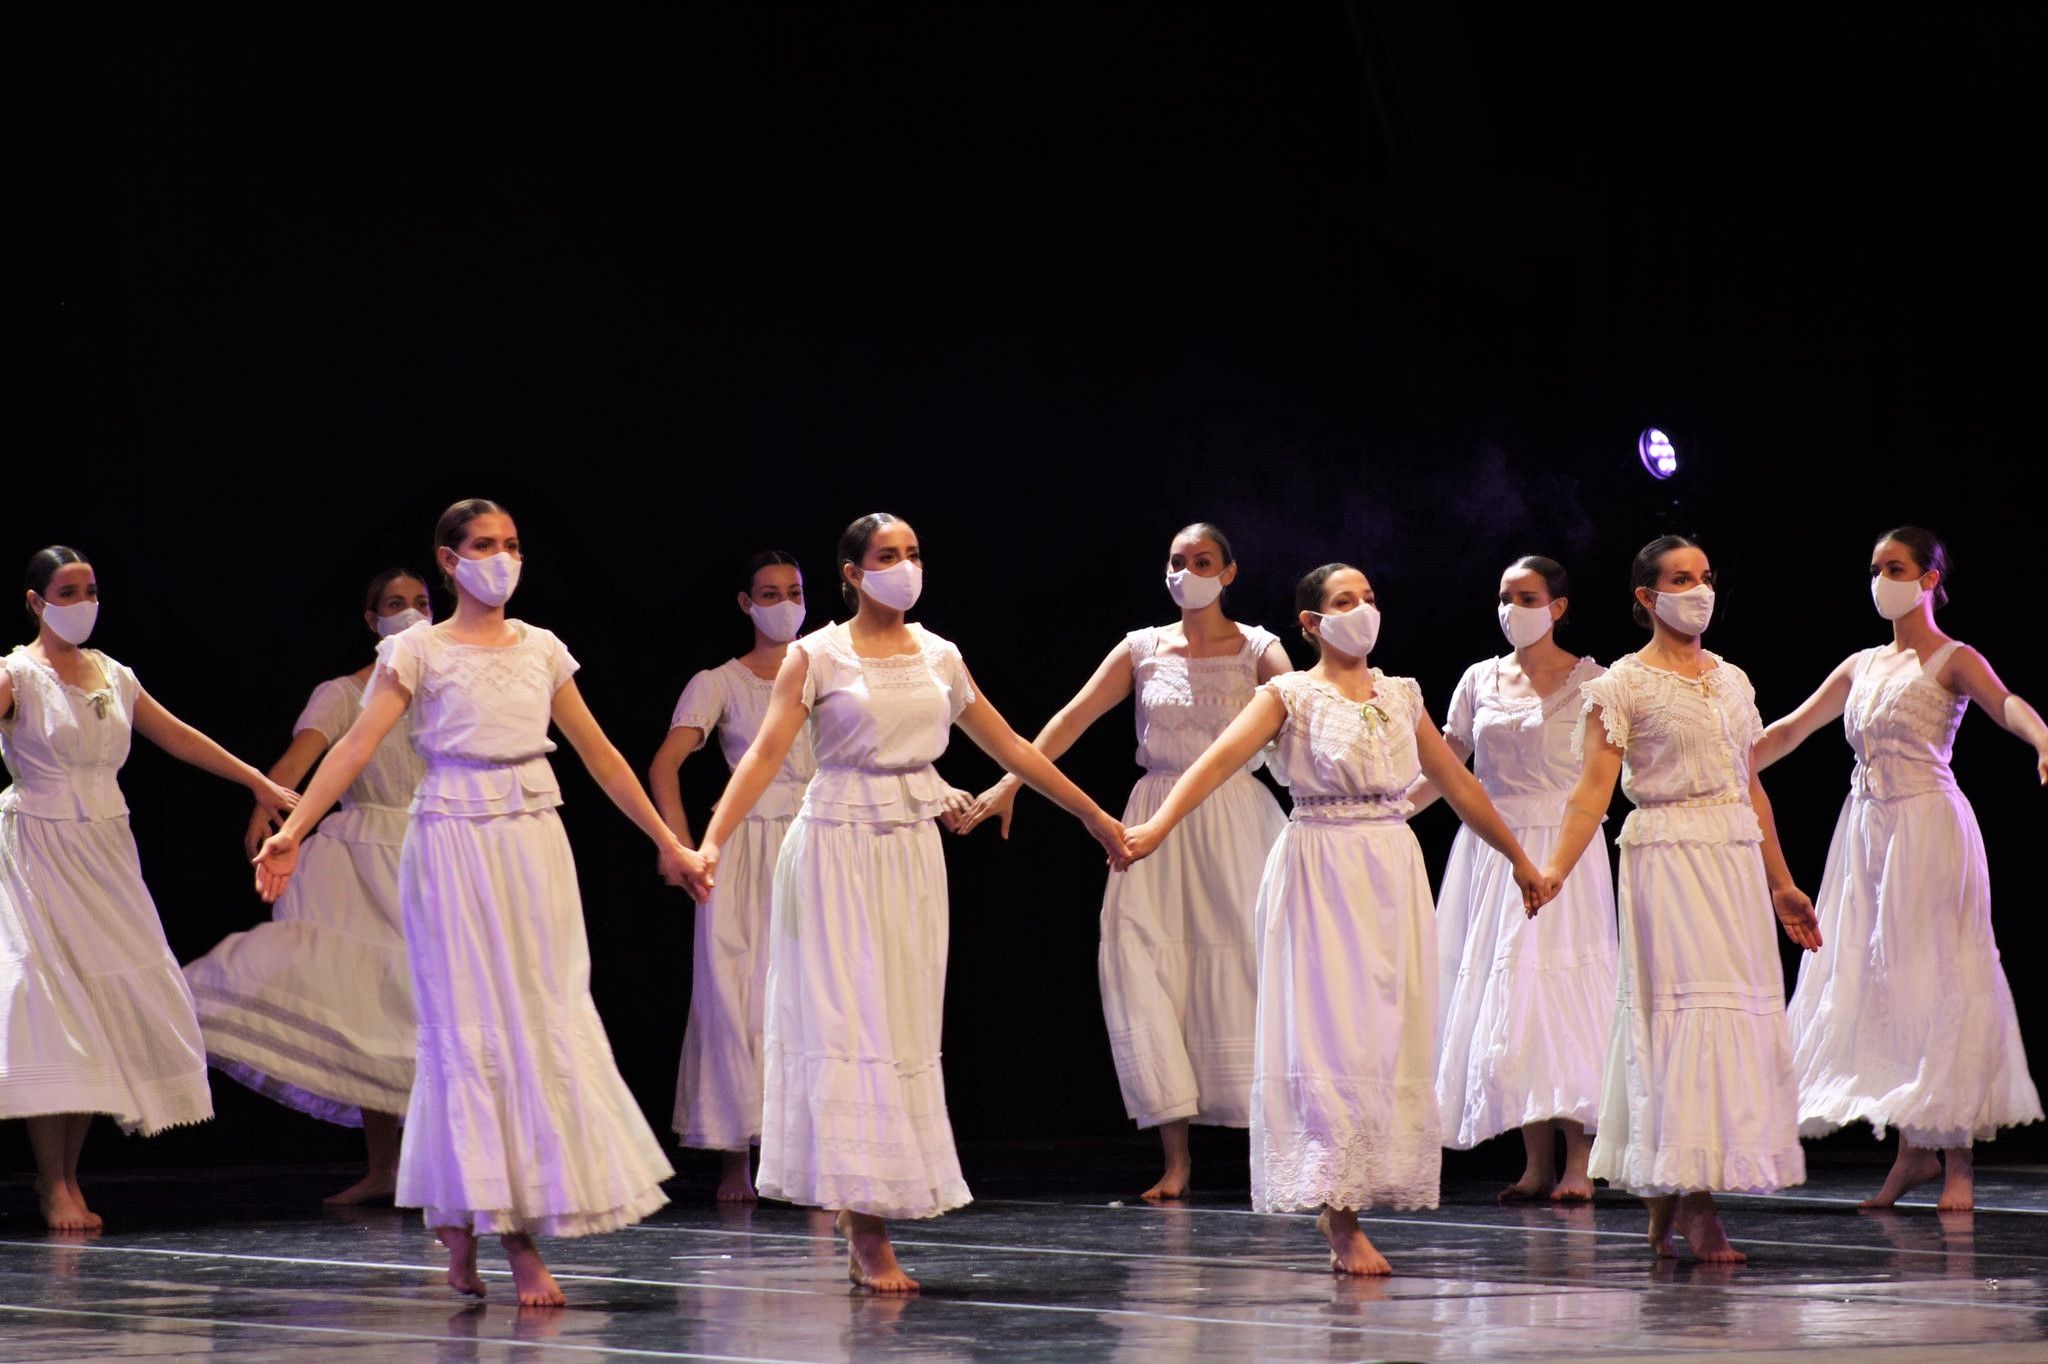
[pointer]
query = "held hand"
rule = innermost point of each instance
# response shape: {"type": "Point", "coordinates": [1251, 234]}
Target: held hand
{"type": "Point", "coordinates": [278, 800]}
{"type": "Point", "coordinates": [262, 824]}
{"type": "Point", "coordinates": [684, 868]}
{"type": "Point", "coordinates": [999, 802]}
{"type": "Point", "coordinates": [1795, 916]}
{"type": "Point", "coordinates": [953, 815]}
{"type": "Point", "coordinates": [1110, 834]}
{"type": "Point", "coordinates": [707, 875]}
{"type": "Point", "coordinates": [275, 862]}
{"type": "Point", "coordinates": [1140, 842]}
{"type": "Point", "coordinates": [1536, 888]}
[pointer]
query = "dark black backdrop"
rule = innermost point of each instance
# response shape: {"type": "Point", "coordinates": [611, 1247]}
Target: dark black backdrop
{"type": "Point", "coordinates": [1391, 284]}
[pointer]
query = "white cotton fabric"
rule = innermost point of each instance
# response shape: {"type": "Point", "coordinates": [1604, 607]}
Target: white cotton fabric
{"type": "Point", "coordinates": [518, 1120]}
{"type": "Point", "coordinates": [1904, 1017]}
{"type": "Point", "coordinates": [1698, 1092]}
{"type": "Point", "coordinates": [853, 1097]}
{"type": "Point", "coordinates": [1344, 1106]}
{"type": "Point", "coordinates": [1527, 1004]}
{"type": "Point", "coordinates": [94, 1013]}
{"type": "Point", "coordinates": [718, 1083]}
{"type": "Point", "coordinates": [1178, 962]}
{"type": "Point", "coordinates": [314, 1008]}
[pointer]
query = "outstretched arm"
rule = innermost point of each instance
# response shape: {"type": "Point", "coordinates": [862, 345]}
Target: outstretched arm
{"type": "Point", "coordinates": [188, 745]}
{"type": "Point", "coordinates": [993, 735]}
{"type": "Point", "coordinates": [765, 756]}
{"type": "Point", "coordinates": [1825, 706]}
{"type": "Point", "coordinates": [1445, 770]}
{"type": "Point", "coordinates": [1587, 805]}
{"type": "Point", "coordinates": [662, 783]}
{"type": "Point", "coordinates": [279, 855]}
{"type": "Point", "coordinates": [1970, 674]}
{"type": "Point", "coordinates": [609, 768]}
{"type": "Point", "coordinates": [1425, 792]}
{"type": "Point", "coordinates": [1794, 910]}
{"type": "Point", "coordinates": [1257, 725]}
{"type": "Point", "coordinates": [288, 771]}
{"type": "Point", "coordinates": [1110, 683]}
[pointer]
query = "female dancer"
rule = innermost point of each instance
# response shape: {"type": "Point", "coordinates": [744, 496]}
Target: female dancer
{"type": "Point", "coordinates": [854, 1105]}
{"type": "Point", "coordinates": [1344, 1112]}
{"type": "Point", "coordinates": [518, 1122]}
{"type": "Point", "coordinates": [718, 1088]}
{"type": "Point", "coordinates": [314, 1008]}
{"type": "Point", "coordinates": [1179, 970]}
{"type": "Point", "coordinates": [1526, 1006]}
{"type": "Point", "coordinates": [1698, 1093]}
{"type": "Point", "coordinates": [98, 1016]}
{"type": "Point", "coordinates": [1905, 1019]}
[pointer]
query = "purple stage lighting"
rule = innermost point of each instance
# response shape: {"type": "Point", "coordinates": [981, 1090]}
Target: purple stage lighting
{"type": "Point", "coordinates": [1658, 454]}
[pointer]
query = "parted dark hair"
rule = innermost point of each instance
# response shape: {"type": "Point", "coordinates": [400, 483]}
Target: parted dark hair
{"type": "Point", "coordinates": [384, 580]}
{"type": "Point", "coordinates": [767, 558]}
{"type": "Point", "coordinates": [1556, 581]}
{"type": "Point", "coordinates": [1928, 551]}
{"type": "Point", "coordinates": [453, 527]}
{"type": "Point", "coordinates": [43, 566]}
{"type": "Point", "coordinates": [1209, 530]}
{"type": "Point", "coordinates": [853, 547]}
{"type": "Point", "coordinates": [1648, 565]}
{"type": "Point", "coordinates": [1308, 595]}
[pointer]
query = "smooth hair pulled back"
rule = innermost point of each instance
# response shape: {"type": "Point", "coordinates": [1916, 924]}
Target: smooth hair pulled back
{"type": "Point", "coordinates": [1209, 530]}
{"type": "Point", "coordinates": [1649, 565]}
{"type": "Point", "coordinates": [453, 527]}
{"type": "Point", "coordinates": [384, 580]}
{"type": "Point", "coordinates": [767, 558]}
{"type": "Point", "coordinates": [853, 547]}
{"type": "Point", "coordinates": [1556, 581]}
{"type": "Point", "coordinates": [1928, 551]}
{"type": "Point", "coordinates": [1308, 596]}
{"type": "Point", "coordinates": [43, 566]}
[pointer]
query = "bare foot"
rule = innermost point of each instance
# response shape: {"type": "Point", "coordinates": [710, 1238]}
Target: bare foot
{"type": "Point", "coordinates": [1959, 1189]}
{"type": "Point", "coordinates": [1350, 1251]}
{"type": "Point", "coordinates": [1699, 1222]}
{"type": "Point", "coordinates": [1527, 1189]}
{"type": "Point", "coordinates": [537, 1287]}
{"type": "Point", "coordinates": [1915, 1166]}
{"type": "Point", "coordinates": [462, 1275]}
{"type": "Point", "coordinates": [871, 1259]}
{"type": "Point", "coordinates": [1172, 1184]}
{"type": "Point", "coordinates": [93, 1220]}
{"type": "Point", "coordinates": [736, 1184]}
{"type": "Point", "coordinates": [64, 1207]}
{"type": "Point", "coordinates": [1662, 1210]}
{"type": "Point", "coordinates": [1572, 1189]}
{"type": "Point", "coordinates": [375, 1187]}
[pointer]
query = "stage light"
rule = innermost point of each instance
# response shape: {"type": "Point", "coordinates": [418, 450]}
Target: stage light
{"type": "Point", "coordinates": [1658, 454]}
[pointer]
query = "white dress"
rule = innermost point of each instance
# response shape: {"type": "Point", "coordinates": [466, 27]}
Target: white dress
{"type": "Point", "coordinates": [1904, 1018]}
{"type": "Point", "coordinates": [1344, 1095]}
{"type": "Point", "coordinates": [853, 1099]}
{"type": "Point", "coordinates": [718, 1085]}
{"type": "Point", "coordinates": [519, 1121]}
{"type": "Point", "coordinates": [1178, 961]}
{"type": "Point", "coordinates": [94, 1013]}
{"type": "Point", "coordinates": [1698, 1091]}
{"type": "Point", "coordinates": [1527, 1004]}
{"type": "Point", "coordinates": [314, 1008]}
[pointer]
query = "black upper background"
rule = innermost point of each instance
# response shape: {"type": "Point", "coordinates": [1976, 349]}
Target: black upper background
{"type": "Point", "coordinates": [1393, 285]}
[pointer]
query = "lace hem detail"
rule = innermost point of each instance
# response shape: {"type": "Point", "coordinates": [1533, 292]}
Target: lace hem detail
{"type": "Point", "coordinates": [1650, 1173]}
{"type": "Point", "coordinates": [1362, 1170]}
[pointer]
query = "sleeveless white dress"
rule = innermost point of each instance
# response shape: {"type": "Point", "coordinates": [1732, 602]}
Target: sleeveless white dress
{"type": "Point", "coordinates": [94, 1013]}
{"type": "Point", "coordinates": [314, 1008]}
{"type": "Point", "coordinates": [1344, 1106]}
{"type": "Point", "coordinates": [1698, 1091]}
{"type": "Point", "coordinates": [519, 1121]}
{"type": "Point", "coordinates": [718, 1084]}
{"type": "Point", "coordinates": [1527, 1004]}
{"type": "Point", "coordinates": [1904, 1018]}
{"type": "Point", "coordinates": [853, 1098]}
{"type": "Point", "coordinates": [1178, 963]}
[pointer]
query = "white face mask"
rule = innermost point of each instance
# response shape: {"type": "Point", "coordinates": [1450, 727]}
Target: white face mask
{"type": "Point", "coordinates": [898, 586]}
{"type": "Point", "coordinates": [72, 624]}
{"type": "Point", "coordinates": [1524, 625]}
{"type": "Point", "coordinates": [490, 580]}
{"type": "Point", "coordinates": [1191, 591]}
{"type": "Point", "coordinates": [779, 622]}
{"type": "Point", "coordinates": [404, 620]}
{"type": "Point", "coordinates": [1686, 612]}
{"type": "Point", "coordinates": [1896, 597]}
{"type": "Point", "coordinates": [1354, 631]}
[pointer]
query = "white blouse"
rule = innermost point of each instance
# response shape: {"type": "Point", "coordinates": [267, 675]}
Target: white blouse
{"type": "Point", "coordinates": [1184, 703]}
{"type": "Point", "coordinates": [394, 770]}
{"type": "Point", "coordinates": [1685, 746]}
{"type": "Point", "coordinates": [1521, 745]}
{"type": "Point", "coordinates": [62, 744]}
{"type": "Point", "coordinates": [1345, 759]}
{"type": "Point", "coordinates": [878, 724]}
{"type": "Point", "coordinates": [733, 700]}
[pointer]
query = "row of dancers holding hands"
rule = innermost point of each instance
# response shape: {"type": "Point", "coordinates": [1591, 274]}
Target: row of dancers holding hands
{"type": "Point", "coordinates": [1288, 972]}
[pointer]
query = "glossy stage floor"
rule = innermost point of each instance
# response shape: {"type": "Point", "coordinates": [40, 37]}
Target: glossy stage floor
{"type": "Point", "coordinates": [1050, 1263]}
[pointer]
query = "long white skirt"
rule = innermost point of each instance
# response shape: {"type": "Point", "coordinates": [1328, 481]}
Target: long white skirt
{"type": "Point", "coordinates": [1904, 1018]}
{"type": "Point", "coordinates": [519, 1121]}
{"type": "Point", "coordinates": [1527, 1004]}
{"type": "Point", "coordinates": [1344, 1098]}
{"type": "Point", "coordinates": [853, 1098]}
{"type": "Point", "coordinates": [314, 1008]}
{"type": "Point", "coordinates": [1179, 965]}
{"type": "Point", "coordinates": [94, 1013]}
{"type": "Point", "coordinates": [718, 1085]}
{"type": "Point", "coordinates": [1698, 1092]}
